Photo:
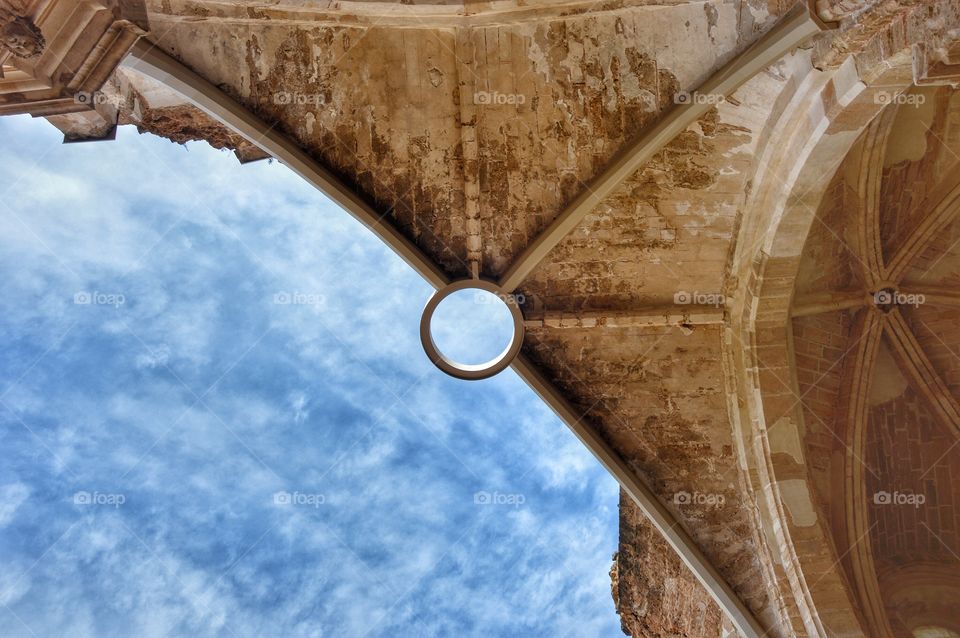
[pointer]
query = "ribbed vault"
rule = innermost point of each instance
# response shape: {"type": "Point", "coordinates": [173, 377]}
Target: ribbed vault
{"type": "Point", "coordinates": [716, 220]}
{"type": "Point", "coordinates": [884, 411]}
{"type": "Point", "coordinates": [475, 130]}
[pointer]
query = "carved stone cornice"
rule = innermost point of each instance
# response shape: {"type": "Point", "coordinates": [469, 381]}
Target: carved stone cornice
{"type": "Point", "coordinates": [56, 55]}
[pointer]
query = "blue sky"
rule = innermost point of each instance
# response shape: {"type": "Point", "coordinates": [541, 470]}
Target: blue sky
{"type": "Point", "coordinates": [217, 420]}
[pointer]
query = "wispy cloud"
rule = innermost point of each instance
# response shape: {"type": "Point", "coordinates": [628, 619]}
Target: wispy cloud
{"type": "Point", "coordinates": [232, 430]}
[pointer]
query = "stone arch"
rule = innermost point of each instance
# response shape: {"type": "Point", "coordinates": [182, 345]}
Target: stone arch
{"type": "Point", "coordinates": [821, 115]}
{"type": "Point", "coordinates": [922, 595]}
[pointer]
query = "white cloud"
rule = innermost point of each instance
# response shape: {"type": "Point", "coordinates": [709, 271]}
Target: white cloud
{"type": "Point", "coordinates": [199, 246]}
{"type": "Point", "coordinates": [12, 497]}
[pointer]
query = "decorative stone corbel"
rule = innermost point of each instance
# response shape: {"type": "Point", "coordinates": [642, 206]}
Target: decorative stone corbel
{"type": "Point", "coordinates": [18, 33]}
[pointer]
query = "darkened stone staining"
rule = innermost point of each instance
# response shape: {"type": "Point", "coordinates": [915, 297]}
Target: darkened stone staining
{"type": "Point", "coordinates": [657, 396]}
{"type": "Point", "coordinates": [316, 91]}
{"type": "Point", "coordinates": [579, 113]}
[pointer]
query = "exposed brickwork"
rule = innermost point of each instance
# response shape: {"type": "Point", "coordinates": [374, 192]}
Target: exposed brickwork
{"type": "Point", "coordinates": [829, 261]}
{"type": "Point", "coordinates": [936, 329]}
{"type": "Point", "coordinates": [820, 345]}
{"type": "Point", "coordinates": [908, 452]}
{"type": "Point", "coordinates": [923, 154]}
{"type": "Point", "coordinates": [911, 455]}
{"type": "Point", "coordinates": [936, 264]}
{"type": "Point", "coordinates": [821, 342]}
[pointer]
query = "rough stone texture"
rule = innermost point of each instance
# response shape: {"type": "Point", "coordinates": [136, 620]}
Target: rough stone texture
{"type": "Point", "coordinates": [666, 231]}
{"type": "Point", "coordinates": [182, 124]}
{"type": "Point", "coordinates": [658, 396]}
{"type": "Point", "coordinates": [820, 343]}
{"type": "Point", "coordinates": [471, 125]}
{"type": "Point", "coordinates": [427, 144]}
{"type": "Point", "coordinates": [658, 596]}
{"type": "Point", "coordinates": [907, 449]}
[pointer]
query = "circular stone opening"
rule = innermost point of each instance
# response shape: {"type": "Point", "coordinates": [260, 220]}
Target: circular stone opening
{"type": "Point", "coordinates": [472, 326]}
{"type": "Point", "coordinates": [471, 330]}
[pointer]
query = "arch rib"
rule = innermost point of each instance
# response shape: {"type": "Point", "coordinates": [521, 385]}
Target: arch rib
{"type": "Point", "coordinates": [151, 61]}
{"type": "Point", "coordinates": [203, 94]}
{"type": "Point", "coordinates": [944, 209]}
{"type": "Point", "coordinates": [914, 362]}
{"type": "Point", "coordinates": [853, 516]}
{"type": "Point", "coordinates": [869, 181]}
{"type": "Point", "coordinates": [661, 518]}
{"type": "Point", "coordinates": [789, 33]}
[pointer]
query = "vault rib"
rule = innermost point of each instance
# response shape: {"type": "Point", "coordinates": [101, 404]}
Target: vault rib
{"type": "Point", "coordinates": [151, 61]}
{"type": "Point", "coordinates": [820, 303]}
{"type": "Point", "coordinates": [869, 180]}
{"type": "Point", "coordinates": [934, 295]}
{"type": "Point", "coordinates": [158, 65]}
{"type": "Point", "coordinates": [661, 518]}
{"type": "Point", "coordinates": [915, 364]}
{"type": "Point", "coordinates": [790, 32]}
{"type": "Point", "coordinates": [945, 205]}
{"type": "Point", "coordinates": [853, 516]}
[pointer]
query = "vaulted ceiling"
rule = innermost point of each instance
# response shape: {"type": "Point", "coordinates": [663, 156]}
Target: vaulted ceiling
{"type": "Point", "coordinates": [475, 126]}
{"type": "Point", "coordinates": [715, 246]}
{"type": "Point", "coordinates": [882, 419]}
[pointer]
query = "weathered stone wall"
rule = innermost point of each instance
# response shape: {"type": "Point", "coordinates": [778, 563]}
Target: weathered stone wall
{"type": "Point", "coordinates": [908, 452]}
{"type": "Point", "coordinates": [667, 231]}
{"type": "Point", "coordinates": [656, 595]}
{"type": "Point", "coordinates": [471, 126]}
{"type": "Point", "coordinates": [471, 137]}
{"type": "Point", "coordinates": [657, 395]}
{"type": "Point", "coordinates": [182, 124]}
